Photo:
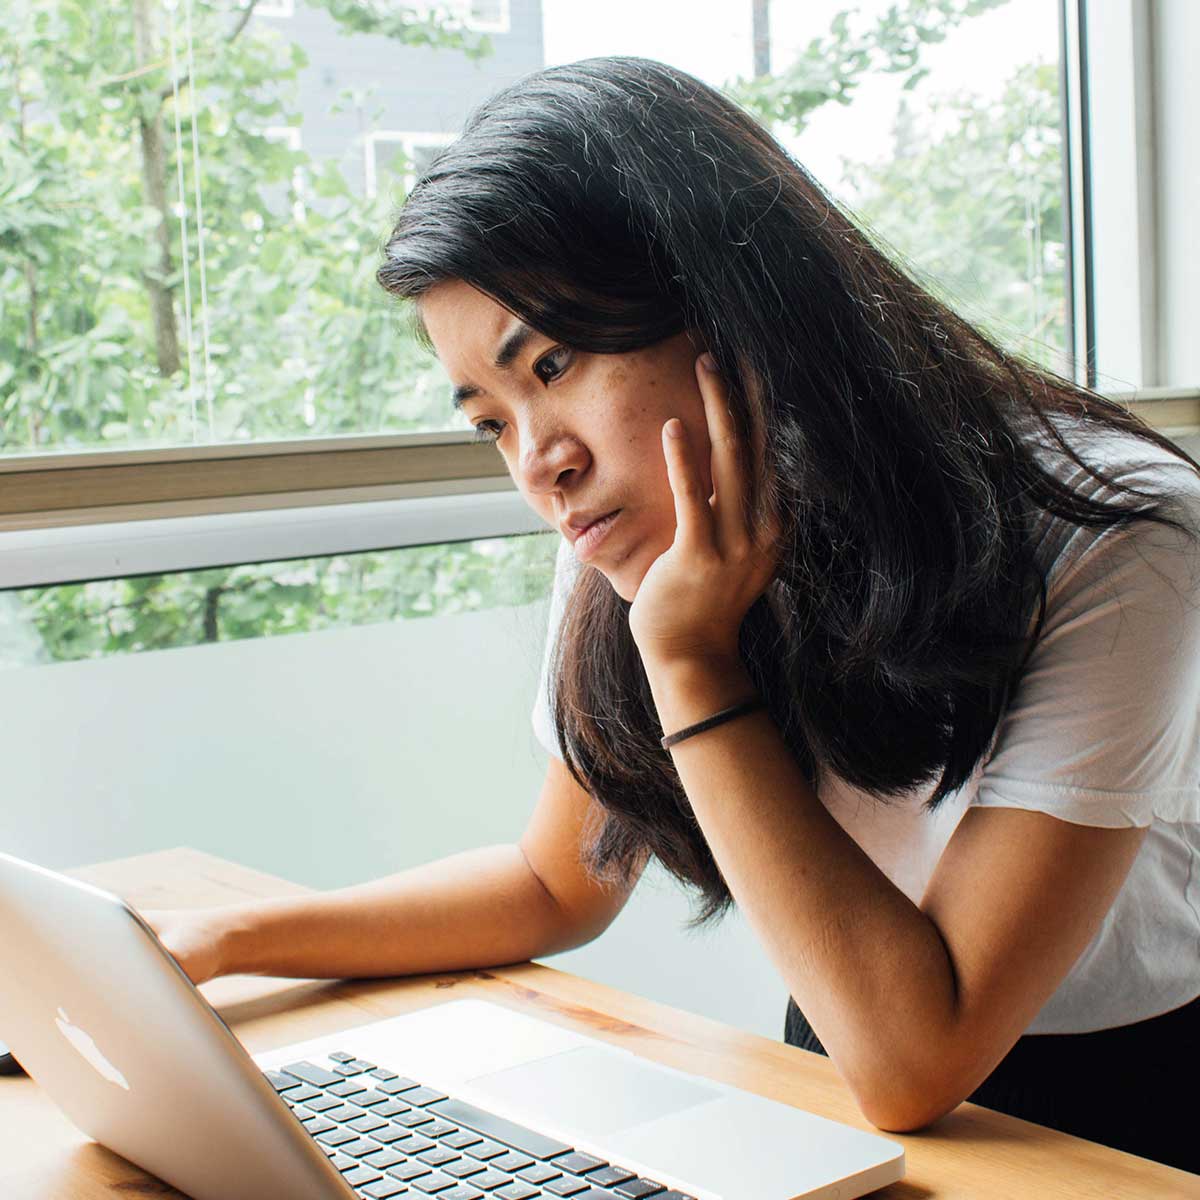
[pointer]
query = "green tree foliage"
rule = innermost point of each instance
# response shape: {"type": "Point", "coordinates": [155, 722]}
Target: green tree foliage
{"type": "Point", "coordinates": [96, 137]}
{"type": "Point", "coordinates": [977, 209]}
{"type": "Point", "coordinates": [158, 612]}
{"type": "Point", "coordinates": [830, 68]}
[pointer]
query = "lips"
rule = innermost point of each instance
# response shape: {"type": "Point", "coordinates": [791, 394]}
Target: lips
{"type": "Point", "coordinates": [576, 532]}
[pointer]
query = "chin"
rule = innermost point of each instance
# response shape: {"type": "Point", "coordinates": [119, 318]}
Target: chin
{"type": "Point", "coordinates": [625, 580]}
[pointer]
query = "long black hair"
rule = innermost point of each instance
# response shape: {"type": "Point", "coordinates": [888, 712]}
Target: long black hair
{"type": "Point", "coordinates": [615, 202]}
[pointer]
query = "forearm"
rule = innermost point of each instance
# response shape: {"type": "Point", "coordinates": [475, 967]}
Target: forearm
{"type": "Point", "coordinates": [868, 968]}
{"type": "Point", "coordinates": [479, 908]}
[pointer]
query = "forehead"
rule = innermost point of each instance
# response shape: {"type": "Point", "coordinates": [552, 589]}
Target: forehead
{"type": "Point", "coordinates": [462, 322]}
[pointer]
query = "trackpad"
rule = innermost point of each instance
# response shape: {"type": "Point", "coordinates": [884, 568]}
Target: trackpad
{"type": "Point", "coordinates": [593, 1090]}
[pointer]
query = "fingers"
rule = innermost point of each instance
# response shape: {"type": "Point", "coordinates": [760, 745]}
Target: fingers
{"type": "Point", "coordinates": [727, 472]}
{"type": "Point", "coordinates": [693, 517]}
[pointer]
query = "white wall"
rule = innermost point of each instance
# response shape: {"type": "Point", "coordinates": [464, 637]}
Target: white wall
{"type": "Point", "coordinates": [332, 758]}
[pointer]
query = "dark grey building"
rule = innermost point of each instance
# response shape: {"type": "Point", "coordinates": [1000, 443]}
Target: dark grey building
{"type": "Point", "coordinates": [380, 109]}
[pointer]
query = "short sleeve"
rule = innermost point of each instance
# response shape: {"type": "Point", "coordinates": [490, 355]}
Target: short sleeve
{"type": "Point", "coordinates": [1103, 727]}
{"type": "Point", "coordinates": [566, 567]}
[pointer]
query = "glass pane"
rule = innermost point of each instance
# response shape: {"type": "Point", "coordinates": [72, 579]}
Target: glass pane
{"type": "Point", "coordinates": [189, 608]}
{"type": "Point", "coordinates": [188, 243]}
{"type": "Point", "coordinates": [194, 198]}
{"type": "Point", "coordinates": [936, 124]}
{"type": "Point", "coordinates": [948, 147]}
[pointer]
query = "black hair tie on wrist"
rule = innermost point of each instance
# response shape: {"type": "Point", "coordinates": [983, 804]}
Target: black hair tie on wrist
{"type": "Point", "coordinates": [726, 714]}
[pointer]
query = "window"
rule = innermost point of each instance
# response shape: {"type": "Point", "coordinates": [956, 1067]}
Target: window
{"type": "Point", "coordinates": [171, 610]}
{"type": "Point", "coordinates": [218, 312]}
{"type": "Point", "coordinates": [397, 160]}
{"type": "Point", "coordinates": [289, 137]}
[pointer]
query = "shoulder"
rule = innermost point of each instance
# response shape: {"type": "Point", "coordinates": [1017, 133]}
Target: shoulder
{"type": "Point", "coordinates": [1103, 727]}
{"type": "Point", "coordinates": [1078, 558]}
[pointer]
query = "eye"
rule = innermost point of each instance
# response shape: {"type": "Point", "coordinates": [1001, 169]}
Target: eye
{"type": "Point", "coordinates": [488, 431]}
{"type": "Point", "coordinates": [550, 366]}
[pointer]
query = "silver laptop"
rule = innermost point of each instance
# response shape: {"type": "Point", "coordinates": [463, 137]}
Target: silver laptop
{"type": "Point", "coordinates": [461, 1101]}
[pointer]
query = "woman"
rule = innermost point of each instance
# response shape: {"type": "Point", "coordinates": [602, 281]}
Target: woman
{"type": "Point", "coordinates": [915, 616]}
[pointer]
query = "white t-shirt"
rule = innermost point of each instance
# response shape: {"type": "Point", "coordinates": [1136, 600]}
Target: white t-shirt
{"type": "Point", "coordinates": [1103, 730]}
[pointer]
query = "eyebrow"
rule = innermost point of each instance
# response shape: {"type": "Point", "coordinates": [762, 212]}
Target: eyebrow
{"type": "Point", "coordinates": [510, 349]}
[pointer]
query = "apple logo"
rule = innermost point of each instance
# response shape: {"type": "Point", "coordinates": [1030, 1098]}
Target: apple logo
{"type": "Point", "coordinates": [88, 1049]}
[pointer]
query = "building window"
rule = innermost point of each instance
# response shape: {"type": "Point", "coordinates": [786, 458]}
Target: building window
{"type": "Point", "coordinates": [289, 136]}
{"type": "Point", "coordinates": [393, 158]}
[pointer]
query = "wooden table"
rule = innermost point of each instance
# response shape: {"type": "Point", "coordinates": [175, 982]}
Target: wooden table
{"type": "Point", "coordinates": [973, 1154]}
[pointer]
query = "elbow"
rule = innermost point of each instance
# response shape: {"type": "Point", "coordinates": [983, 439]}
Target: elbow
{"type": "Point", "coordinates": [906, 1117]}
{"type": "Point", "coordinates": [909, 1105]}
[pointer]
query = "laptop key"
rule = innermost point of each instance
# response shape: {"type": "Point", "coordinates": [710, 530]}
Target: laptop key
{"type": "Point", "coordinates": [512, 1161]}
{"type": "Point", "coordinates": [460, 1138]}
{"type": "Point", "coordinates": [366, 1123]}
{"type": "Point", "coordinates": [414, 1116]}
{"type": "Point", "coordinates": [347, 1112]}
{"type": "Point", "coordinates": [434, 1182]}
{"type": "Point", "coordinates": [383, 1158]}
{"type": "Point", "coordinates": [368, 1099]}
{"type": "Point", "coordinates": [348, 1087]}
{"type": "Point", "coordinates": [384, 1073]}
{"type": "Point", "coordinates": [310, 1073]}
{"type": "Point", "coordinates": [339, 1056]}
{"type": "Point", "coordinates": [423, 1096]}
{"type": "Point", "coordinates": [414, 1144]}
{"type": "Point", "coordinates": [674, 1195]}
{"type": "Point", "coordinates": [350, 1068]}
{"type": "Point", "coordinates": [578, 1163]}
{"type": "Point", "coordinates": [360, 1148]}
{"type": "Point", "coordinates": [540, 1172]}
{"type": "Point", "coordinates": [462, 1192]}
{"type": "Point", "coordinates": [302, 1094]}
{"type": "Point", "coordinates": [319, 1125]}
{"type": "Point", "coordinates": [361, 1175]}
{"type": "Point", "coordinates": [635, 1189]}
{"type": "Point", "coordinates": [517, 1191]}
{"type": "Point", "coordinates": [536, 1145]}
{"type": "Point", "coordinates": [389, 1108]}
{"type": "Point", "coordinates": [393, 1133]}
{"type": "Point", "coordinates": [337, 1137]}
{"type": "Point", "coordinates": [464, 1168]}
{"type": "Point", "coordinates": [490, 1179]}
{"type": "Point", "coordinates": [396, 1085]}
{"type": "Point", "coordinates": [409, 1170]}
{"type": "Point", "coordinates": [323, 1103]}
{"type": "Point", "coordinates": [384, 1189]}
{"type": "Point", "coordinates": [439, 1156]}
{"type": "Point", "coordinates": [610, 1176]}
{"type": "Point", "coordinates": [566, 1185]}
{"type": "Point", "coordinates": [487, 1150]}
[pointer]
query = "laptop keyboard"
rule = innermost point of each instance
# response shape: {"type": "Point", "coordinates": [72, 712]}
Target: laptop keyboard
{"type": "Point", "coordinates": [392, 1136]}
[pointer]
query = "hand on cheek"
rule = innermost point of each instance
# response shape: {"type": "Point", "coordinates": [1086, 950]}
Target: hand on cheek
{"type": "Point", "coordinates": [692, 599]}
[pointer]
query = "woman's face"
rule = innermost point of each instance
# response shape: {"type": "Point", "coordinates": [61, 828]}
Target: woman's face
{"type": "Point", "coordinates": [581, 433]}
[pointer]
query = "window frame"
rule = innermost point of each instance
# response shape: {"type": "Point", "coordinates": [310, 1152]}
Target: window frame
{"type": "Point", "coordinates": [409, 141]}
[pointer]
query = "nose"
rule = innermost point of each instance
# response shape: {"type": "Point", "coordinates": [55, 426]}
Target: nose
{"type": "Point", "coordinates": [548, 458]}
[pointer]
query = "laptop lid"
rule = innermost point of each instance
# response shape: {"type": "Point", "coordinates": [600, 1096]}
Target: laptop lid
{"type": "Point", "coordinates": [171, 1089]}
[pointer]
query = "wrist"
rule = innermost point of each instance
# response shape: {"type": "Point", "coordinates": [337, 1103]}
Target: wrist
{"type": "Point", "coordinates": [235, 937]}
{"type": "Point", "coordinates": [689, 690]}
